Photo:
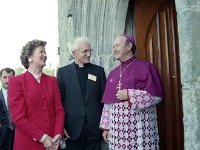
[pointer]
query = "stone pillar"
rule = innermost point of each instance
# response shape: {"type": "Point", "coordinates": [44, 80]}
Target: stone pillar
{"type": "Point", "coordinates": [188, 14]}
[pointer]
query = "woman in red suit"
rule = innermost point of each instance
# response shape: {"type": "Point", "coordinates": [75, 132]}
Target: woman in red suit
{"type": "Point", "coordinates": [35, 102]}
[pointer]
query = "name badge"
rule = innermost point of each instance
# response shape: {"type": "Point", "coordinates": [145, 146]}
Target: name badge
{"type": "Point", "coordinates": [92, 77]}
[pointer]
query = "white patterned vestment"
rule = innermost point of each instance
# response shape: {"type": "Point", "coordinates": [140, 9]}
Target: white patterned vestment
{"type": "Point", "coordinates": [132, 124]}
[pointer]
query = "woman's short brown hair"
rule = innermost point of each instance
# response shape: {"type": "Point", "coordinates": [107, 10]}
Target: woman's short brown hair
{"type": "Point", "coordinates": [28, 51]}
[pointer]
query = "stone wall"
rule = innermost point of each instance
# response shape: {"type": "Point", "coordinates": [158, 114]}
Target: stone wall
{"type": "Point", "coordinates": [100, 20]}
{"type": "Point", "coordinates": [188, 15]}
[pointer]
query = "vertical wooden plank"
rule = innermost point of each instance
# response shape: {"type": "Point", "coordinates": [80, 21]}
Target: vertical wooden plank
{"type": "Point", "coordinates": [157, 41]}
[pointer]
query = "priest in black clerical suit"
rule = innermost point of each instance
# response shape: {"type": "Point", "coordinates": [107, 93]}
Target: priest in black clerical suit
{"type": "Point", "coordinates": [82, 85]}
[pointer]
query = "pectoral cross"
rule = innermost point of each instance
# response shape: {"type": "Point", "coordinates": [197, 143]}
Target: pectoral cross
{"type": "Point", "coordinates": [119, 85]}
{"type": "Point", "coordinates": [121, 72]}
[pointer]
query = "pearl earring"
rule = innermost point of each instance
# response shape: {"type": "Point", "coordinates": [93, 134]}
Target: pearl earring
{"type": "Point", "coordinates": [30, 60]}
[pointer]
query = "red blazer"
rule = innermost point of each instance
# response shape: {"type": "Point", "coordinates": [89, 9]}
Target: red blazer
{"type": "Point", "coordinates": [36, 109]}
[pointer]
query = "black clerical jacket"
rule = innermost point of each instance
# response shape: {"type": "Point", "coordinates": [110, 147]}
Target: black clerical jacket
{"type": "Point", "coordinates": [77, 107]}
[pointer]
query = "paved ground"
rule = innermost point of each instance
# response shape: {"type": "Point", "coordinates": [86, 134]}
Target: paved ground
{"type": "Point", "coordinates": [104, 146]}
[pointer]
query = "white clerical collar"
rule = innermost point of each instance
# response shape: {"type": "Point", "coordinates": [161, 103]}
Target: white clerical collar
{"type": "Point", "coordinates": [80, 65]}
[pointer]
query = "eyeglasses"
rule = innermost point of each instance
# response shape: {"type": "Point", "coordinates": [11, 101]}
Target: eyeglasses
{"type": "Point", "coordinates": [84, 52]}
{"type": "Point", "coordinates": [115, 46]}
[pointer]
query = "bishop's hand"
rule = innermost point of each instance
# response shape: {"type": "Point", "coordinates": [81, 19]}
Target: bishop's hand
{"type": "Point", "coordinates": [122, 94]}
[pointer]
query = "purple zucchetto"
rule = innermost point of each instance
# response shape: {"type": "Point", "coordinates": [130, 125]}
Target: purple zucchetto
{"type": "Point", "coordinates": [129, 38]}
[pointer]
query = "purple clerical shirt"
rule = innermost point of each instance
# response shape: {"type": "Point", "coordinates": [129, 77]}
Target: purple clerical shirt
{"type": "Point", "coordinates": [138, 75]}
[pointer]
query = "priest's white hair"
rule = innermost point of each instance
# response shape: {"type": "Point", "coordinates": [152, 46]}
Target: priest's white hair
{"type": "Point", "coordinates": [78, 41]}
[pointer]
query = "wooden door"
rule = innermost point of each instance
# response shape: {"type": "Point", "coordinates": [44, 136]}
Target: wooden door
{"type": "Point", "coordinates": [157, 41]}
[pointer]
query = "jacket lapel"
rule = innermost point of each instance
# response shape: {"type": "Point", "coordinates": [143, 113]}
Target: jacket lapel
{"type": "Point", "coordinates": [3, 100]}
{"type": "Point", "coordinates": [90, 82]}
{"type": "Point", "coordinates": [75, 80]}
